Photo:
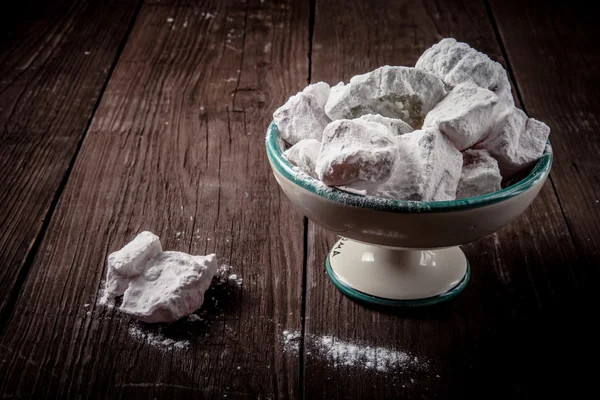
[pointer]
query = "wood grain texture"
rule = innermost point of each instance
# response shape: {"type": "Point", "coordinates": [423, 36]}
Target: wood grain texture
{"type": "Point", "coordinates": [55, 58]}
{"type": "Point", "coordinates": [498, 339]}
{"type": "Point", "coordinates": [176, 147]}
{"type": "Point", "coordinates": [555, 58]}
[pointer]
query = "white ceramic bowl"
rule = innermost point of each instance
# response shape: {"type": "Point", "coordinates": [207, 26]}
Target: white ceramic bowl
{"type": "Point", "coordinates": [395, 252]}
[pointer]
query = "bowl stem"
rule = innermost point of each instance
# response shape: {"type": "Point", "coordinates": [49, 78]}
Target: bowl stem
{"type": "Point", "coordinates": [397, 277]}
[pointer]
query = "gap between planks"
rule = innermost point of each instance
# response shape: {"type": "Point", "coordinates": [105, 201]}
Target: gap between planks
{"type": "Point", "coordinates": [311, 31]}
{"type": "Point", "coordinates": [33, 251]}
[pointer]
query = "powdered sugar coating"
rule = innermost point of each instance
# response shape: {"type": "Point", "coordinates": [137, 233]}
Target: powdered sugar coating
{"type": "Point", "coordinates": [319, 91]}
{"type": "Point", "coordinates": [465, 115]}
{"type": "Point", "coordinates": [457, 62]}
{"type": "Point", "coordinates": [395, 125]}
{"type": "Point", "coordinates": [114, 285]}
{"type": "Point", "coordinates": [131, 259]}
{"type": "Point", "coordinates": [129, 262]}
{"type": "Point", "coordinates": [304, 155]}
{"type": "Point", "coordinates": [394, 92]}
{"type": "Point", "coordinates": [480, 174]}
{"type": "Point", "coordinates": [356, 150]}
{"type": "Point", "coordinates": [428, 168]}
{"type": "Point", "coordinates": [516, 141]}
{"type": "Point", "coordinates": [301, 117]}
{"type": "Point", "coordinates": [172, 287]}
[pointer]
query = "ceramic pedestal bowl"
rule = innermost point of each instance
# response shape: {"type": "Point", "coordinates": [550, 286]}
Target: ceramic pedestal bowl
{"type": "Point", "coordinates": [401, 253]}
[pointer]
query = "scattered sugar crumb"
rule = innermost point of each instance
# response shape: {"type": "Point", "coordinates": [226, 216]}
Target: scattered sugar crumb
{"type": "Point", "coordinates": [194, 318]}
{"type": "Point", "coordinates": [87, 53]}
{"type": "Point", "coordinates": [224, 276]}
{"type": "Point", "coordinates": [104, 301]}
{"type": "Point", "coordinates": [291, 341]}
{"type": "Point", "coordinates": [156, 339]}
{"type": "Point", "coordinates": [170, 19]}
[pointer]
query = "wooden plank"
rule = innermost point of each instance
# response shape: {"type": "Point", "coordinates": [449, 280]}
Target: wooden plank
{"type": "Point", "coordinates": [486, 342]}
{"type": "Point", "coordinates": [554, 57]}
{"type": "Point", "coordinates": [55, 58]}
{"type": "Point", "coordinates": [176, 147]}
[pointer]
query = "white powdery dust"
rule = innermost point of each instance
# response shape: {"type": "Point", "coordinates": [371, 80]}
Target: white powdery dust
{"type": "Point", "coordinates": [104, 301]}
{"type": "Point", "coordinates": [291, 341]}
{"type": "Point", "coordinates": [347, 354]}
{"type": "Point", "coordinates": [224, 276]}
{"type": "Point", "coordinates": [157, 339]}
{"type": "Point", "coordinates": [234, 278]}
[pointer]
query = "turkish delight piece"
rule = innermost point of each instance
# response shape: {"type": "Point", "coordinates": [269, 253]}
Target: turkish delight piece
{"type": "Point", "coordinates": [457, 62]}
{"type": "Point", "coordinates": [304, 155]}
{"type": "Point", "coordinates": [356, 150]}
{"type": "Point", "coordinates": [428, 168]}
{"type": "Point", "coordinates": [516, 141]}
{"type": "Point", "coordinates": [395, 125]}
{"type": "Point", "coordinates": [129, 262]}
{"type": "Point", "coordinates": [303, 115]}
{"type": "Point", "coordinates": [480, 174]}
{"type": "Point", "coordinates": [394, 92]}
{"type": "Point", "coordinates": [319, 91]}
{"type": "Point", "coordinates": [465, 115]}
{"type": "Point", "coordinates": [172, 287]}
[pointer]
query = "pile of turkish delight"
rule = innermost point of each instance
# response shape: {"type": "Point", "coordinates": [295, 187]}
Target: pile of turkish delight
{"type": "Point", "coordinates": [446, 129]}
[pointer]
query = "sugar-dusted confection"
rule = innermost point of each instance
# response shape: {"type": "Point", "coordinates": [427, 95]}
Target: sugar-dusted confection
{"type": "Point", "coordinates": [516, 141]}
{"type": "Point", "coordinates": [465, 115]}
{"type": "Point", "coordinates": [395, 125]}
{"type": "Point", "coordinates": [319, 91]}
{"type": "Point", "coordinates": [131, 259]}
{"type": "Point", "coordinates": [356, 150]}
{"type": "Point", "coordinates": [303, 115]}
{"type": "Point", "coordinates": [480, 174]}
{"type": "Point", "coordinates": [336, 91]}
{"type": "Point", "coordinates": [394, 92]}
{"type": "Point", "coordinates": [129, 262]}
{"type": "Point", "coordinates": [114, 285]}
{"type": "Point", "coordinates": [304, 155]}
{"type": "Point", "coordinates": [457, 62]}
{"type": "Point", "coordinates": [172, 287]}
{"type": "Point", "coordinates": [428, 168]}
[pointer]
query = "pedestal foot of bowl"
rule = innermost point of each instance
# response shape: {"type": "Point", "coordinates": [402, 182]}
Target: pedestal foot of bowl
{"type": "Point", "coordinates": [388, 276]}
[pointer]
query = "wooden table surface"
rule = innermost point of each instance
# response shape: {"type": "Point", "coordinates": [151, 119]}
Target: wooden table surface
{"type": "Point", "coordinates": [128, 115]}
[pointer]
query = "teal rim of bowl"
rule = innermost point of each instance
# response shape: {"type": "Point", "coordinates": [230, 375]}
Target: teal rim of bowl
{"type": "Point", "coordinates": [362, 297]}
{"type": "Point", "coordinates": [285, 168]}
